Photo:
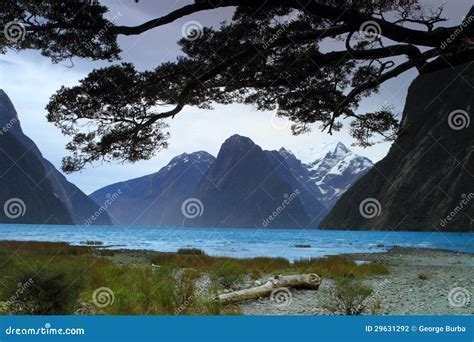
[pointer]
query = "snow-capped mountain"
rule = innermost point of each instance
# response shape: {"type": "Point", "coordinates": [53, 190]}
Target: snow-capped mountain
{"type": "Point", "coordinates": [242, 187]}
{"type": "Point", "coordinates": [337, 171]}
{"type": "Point", "coordinates": [330, 175]}
{"type": "Point", "coordinates": [246, 184]}
{"type": "Point", "coordinates": [156, 199]}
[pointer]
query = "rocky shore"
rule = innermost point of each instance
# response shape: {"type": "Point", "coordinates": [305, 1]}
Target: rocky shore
{"type": "Point", "coordinates": [421, 282]}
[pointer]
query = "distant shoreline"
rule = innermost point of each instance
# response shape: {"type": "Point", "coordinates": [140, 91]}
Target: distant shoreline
{"type": "Point", "coordinates": [242, 242]}
{"type": "Point", "coordinates": [390, 250]}
{"type": "Point", "coordinates": [243, 228]}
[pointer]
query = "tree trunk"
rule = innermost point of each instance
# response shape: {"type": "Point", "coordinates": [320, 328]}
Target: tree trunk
{"type": "Point", "coordinates": [299, 281]}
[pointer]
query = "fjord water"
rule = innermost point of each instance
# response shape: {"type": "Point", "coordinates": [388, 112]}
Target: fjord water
{"type": "Point", "coordinates": [241, 242]}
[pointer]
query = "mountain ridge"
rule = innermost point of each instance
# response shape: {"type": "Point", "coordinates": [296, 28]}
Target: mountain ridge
{"type": "Point", "coordinates": [428, 173]}
{"type": "Point", "coordinates": [77, 203]}
{"type": "Point", "coordinates": [241, 187]}
{"type": "Point", "coordinates": [160, 192]}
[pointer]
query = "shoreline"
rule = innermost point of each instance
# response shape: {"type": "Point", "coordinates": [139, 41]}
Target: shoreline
{"type": "Point", "coordinates": [243, 228]}
{"type": "Point", "coordinates": [422, 281]}
{"type": "Point", "coordinates": [359, 256]}
{"type": "Point", "coordinates": [352, 256]}
{"type": "Point", "coordinates": [416, 281]}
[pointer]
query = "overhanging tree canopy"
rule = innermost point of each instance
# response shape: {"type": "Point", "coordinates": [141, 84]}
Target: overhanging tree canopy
{"type": "Point", "coordinates": [272, 54]}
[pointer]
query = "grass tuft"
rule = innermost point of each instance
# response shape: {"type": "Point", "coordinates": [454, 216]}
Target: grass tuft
{"type": "Point", "coordinates": [65, 278]}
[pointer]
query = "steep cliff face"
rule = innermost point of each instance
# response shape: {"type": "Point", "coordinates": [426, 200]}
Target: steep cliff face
{"type": "Point", "coordinates": [245, 186]}
{"type": "Point", "coordinates": [79, 206]}
{"type": "Point", "coordinates": [25, 194]}
{"type": "Point", "coordinates": [426, 180]}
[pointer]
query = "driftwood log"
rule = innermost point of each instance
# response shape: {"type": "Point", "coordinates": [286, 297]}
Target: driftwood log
{"type": "Point", "coordinates": [299, 281]}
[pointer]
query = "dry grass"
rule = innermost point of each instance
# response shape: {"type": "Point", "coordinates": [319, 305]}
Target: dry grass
{"type": "Point", "coordinates": [168, 288]}
{"type": "Point", "coordinates": [44, 248]}
{"type": "Point", "coordinates": [329, 267]}
{"type": "Point", "coordinates": [337, 267]}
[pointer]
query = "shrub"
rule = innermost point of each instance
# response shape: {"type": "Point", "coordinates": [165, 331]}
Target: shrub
{"type": "Point", "coordinates": [349, 297]}
{"type": "Point", "coordinates": [227, 273]}
{"type": "Point", "coordinates": [53, 290]}
{"type": "Point", "coordinates": [185, 292]}
{"type": "Point", "coordinates": [423, 276]}
{"type": "Point", "coordinates": [190, 251]}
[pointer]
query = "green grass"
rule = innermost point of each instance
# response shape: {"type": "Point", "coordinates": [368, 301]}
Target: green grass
{"type": "Point", "coordinates": [328, 267]}
{"type": "Point", "coordinates": [227, 273]}
{"type": "Point", "coordinates": [349, 297]}
{"type": "Point", "coordinates": [337, 266]}
{"type": "Point", "coordinates": [66, 277]}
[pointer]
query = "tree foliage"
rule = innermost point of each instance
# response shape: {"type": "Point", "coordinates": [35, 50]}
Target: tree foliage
{"type": "Point", "coordinates": [312, 61]}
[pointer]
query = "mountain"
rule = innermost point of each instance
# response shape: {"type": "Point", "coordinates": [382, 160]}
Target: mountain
{"type": "Point", "coordinates": [334, 173]}
{"type": "Point", "coordinates": [245, 186]}
{"type": "Point", "coordinates": [155, 199]}
{"type": "Point", "coordinates": [426, 180]}
{"type": "Point", "coordinates": [25, 195]}
{"type": "Point", "coordinates": [78, 206]}
{"type": "Point", "coordinates": [249, 187]}
{"type": "Point", "coordinates": [312, 197]}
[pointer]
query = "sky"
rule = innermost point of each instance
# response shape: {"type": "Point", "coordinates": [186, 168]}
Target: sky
{"type": "Point", "coordinates": [30, 79]}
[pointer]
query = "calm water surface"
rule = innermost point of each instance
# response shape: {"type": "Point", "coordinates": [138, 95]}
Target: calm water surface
{"type": "Point", "coordinates": [241, 242]}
